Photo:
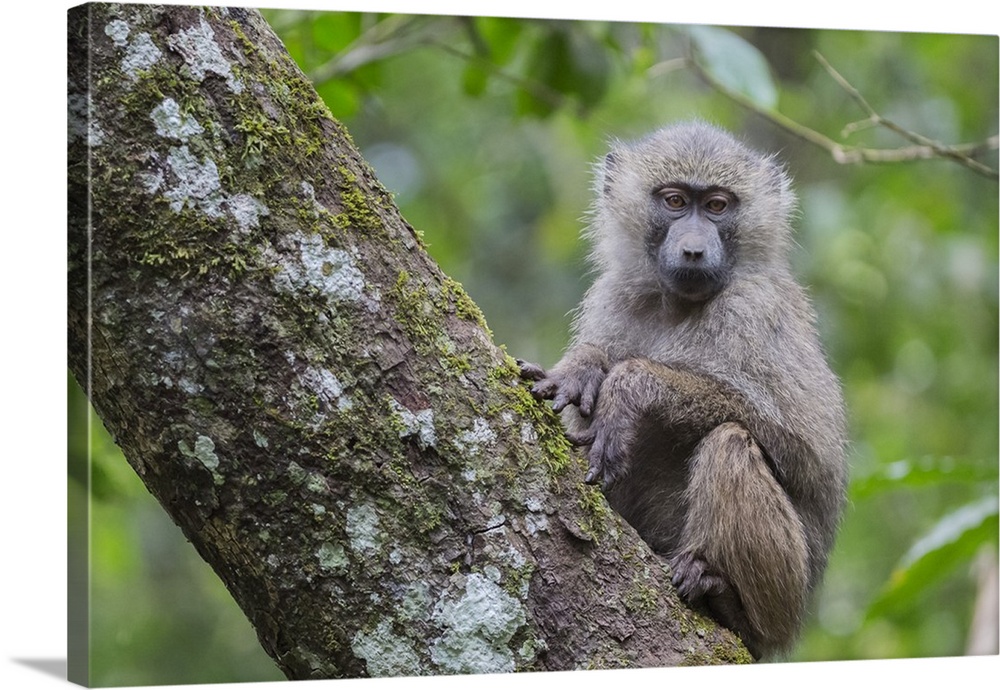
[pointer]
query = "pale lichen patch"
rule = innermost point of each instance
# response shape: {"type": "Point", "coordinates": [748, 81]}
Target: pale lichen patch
{"type": "Point", "coordinates": [317, 483]}
{"type": "Point", "coordinates": [80, 121]}
{"type": "Point", "coordinates": [246, 210]}
{"type": "Point", "coordinates": [151, 181]}
{"type": "Point", "coordinates": [528, 434]}
{"type": "Point", "coordinates": [416, 602]}
{"type": "Point", "coordinates": [493, 573]}
{"type": "Point", "coordinates": [478, 625]}
{"type": "Point", "coordinates": [197, 183]}
{"type": "Point", "coordinates": [419, 425]}
{"type": "Point", "coordinates": [472, 441]}
{"type": "Point", "coordinates": [190, 387]}
{"type": "Point", "coordinates": [309, 193]}
{"type": "Point", "coordinates": [536, 520]}
{"type": "Point", "coordinates": [534, 524]}
{"type": "Point", "coordinates": [385, 652]}
{"type": "Point", "coordinates": [531, 648]}
{"type": "Point", "coordinates": [332, 557]}
{"type": "Point", "coordinates": [331, 272]}
{"type": "Point", "coordinates": [327, 387]}
{"type": "Point", "coordinates": [204, 452]}
{"type": "Point", "coordinates": [171, 122]}
{"type": "Point", "coordinates": [202, 54]}
{"type": "Point", "coordinates": [140, 55]}
{"type": "Point", "coordinates": [496, 520]}
{"type": "Point", "coordinates": [363, 529]}
{"type": "Point", "coordinates": [117, 31]}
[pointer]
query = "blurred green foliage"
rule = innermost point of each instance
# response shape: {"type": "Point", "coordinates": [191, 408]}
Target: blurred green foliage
{"type": "Point", "coordinates": [485, 130]}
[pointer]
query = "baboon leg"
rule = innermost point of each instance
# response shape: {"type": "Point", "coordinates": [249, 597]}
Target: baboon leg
{"type": "Point", "coordinates": [742, 555]}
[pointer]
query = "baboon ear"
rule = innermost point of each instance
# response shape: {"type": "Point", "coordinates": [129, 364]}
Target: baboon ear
{"type": "Point", "coordinates": [608, 171]}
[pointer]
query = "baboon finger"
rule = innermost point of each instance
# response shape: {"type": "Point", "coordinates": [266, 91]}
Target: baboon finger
{"type": "Point", "coordinates": [530, 371]}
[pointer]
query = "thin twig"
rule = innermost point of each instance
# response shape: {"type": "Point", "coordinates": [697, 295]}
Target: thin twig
{"type": "Point", "coordinates": [667, 66]}
{"type": "Point", "coordinates": [398, 33]}
{"type": "Point", "coordinates": [537, 89]}
{"type": "Point", "coordinates": [955, 153]}
{"type": "Point", "coordinates": [923, 147]}
{"type": "Point", "coordinates": [390, 36]}
{"type": "Point", "coordinates": [840, 153]}
{"type": "Point", "coordinates": [853, 127]}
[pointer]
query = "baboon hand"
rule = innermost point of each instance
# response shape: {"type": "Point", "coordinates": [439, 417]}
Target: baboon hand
{"type": "Point", "coordinates": [694, 579]}
{"type": "Point", "coordinates": [609, 446]}
{"type": "Point", "coordinates": [573, 384]}
{"type": "Point", "coordinates": [704, 587]}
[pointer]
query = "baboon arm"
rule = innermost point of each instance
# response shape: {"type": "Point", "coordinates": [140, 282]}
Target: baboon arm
{"type": "Point", "coordinates": [639, 395]}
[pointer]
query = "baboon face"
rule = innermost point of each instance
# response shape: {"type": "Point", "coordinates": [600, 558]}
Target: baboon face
{"type": "Point", "coordinates": [689, 238]}
{"type": "Point", "coordinates": [682, 211]}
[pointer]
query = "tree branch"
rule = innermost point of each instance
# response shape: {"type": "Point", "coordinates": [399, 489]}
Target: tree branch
{"type": "Point", "coordinates": [389, 36]}
{"type": "Point", "coordinates": [318, 407]}
{"type": "Point", "coordinates": [923, 149]}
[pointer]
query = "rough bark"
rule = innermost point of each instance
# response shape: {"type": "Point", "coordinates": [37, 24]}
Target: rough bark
{"type": "Point", "coordinates": [318, 407]}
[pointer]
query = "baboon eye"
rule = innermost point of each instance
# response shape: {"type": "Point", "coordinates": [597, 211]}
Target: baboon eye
{"type": "Point", "coordinates": [674, 200]}
{"type": "Point", "coordinates": [716, 204]}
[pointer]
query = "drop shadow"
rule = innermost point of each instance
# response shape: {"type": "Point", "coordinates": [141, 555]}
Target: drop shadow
{"type": "Point", "coordinates": [50, 667]}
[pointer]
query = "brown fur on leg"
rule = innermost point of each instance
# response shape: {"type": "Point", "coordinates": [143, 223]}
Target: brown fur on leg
{"type": "Point", "coordinates": [741, 523]}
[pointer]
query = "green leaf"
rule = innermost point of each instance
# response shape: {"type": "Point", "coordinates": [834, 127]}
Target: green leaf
{"type": "Point", "coordinates": [342, 98]}
{"type": "Point", "coordinates": [591, 67]}
{"type": "Point", "coordinates": [547, 63]}
{"type": "Point", "coordinates": [474, 79]}
{"type": "Point", "coordinates": [954, 539]}
{"type": "Point", "coordinates": [735, 64]}
{"type": "Point", "coordinates": [567, 62]}
{"type": "Point", "coordinates": [925, 471]}
{"type": "Point", "coordinates": [334, 31]}
{"type": "Point", "coordinates": [501, 34]}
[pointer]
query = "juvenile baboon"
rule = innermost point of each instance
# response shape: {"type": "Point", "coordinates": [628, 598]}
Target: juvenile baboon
{"type": "Point", "coordinates": [696, 382]}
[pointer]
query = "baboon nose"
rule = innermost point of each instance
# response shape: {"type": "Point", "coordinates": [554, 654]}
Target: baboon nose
{"type": "Point", "coordinates": [693, 253]}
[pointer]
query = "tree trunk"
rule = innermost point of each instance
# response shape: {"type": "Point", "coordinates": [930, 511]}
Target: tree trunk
{"type": "Point", "coordinates": [318, 407]}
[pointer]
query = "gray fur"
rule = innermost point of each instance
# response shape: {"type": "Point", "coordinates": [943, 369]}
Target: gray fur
{"type": "Point", "coordinates": [716, 426]}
